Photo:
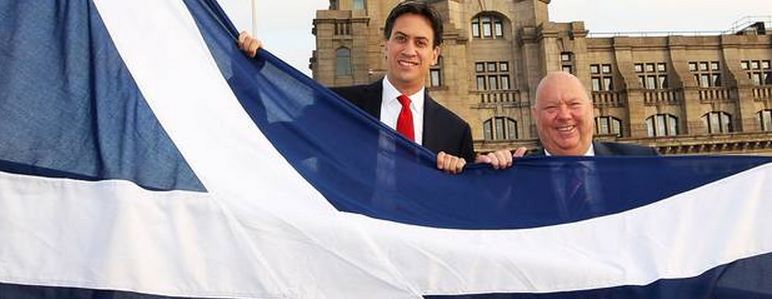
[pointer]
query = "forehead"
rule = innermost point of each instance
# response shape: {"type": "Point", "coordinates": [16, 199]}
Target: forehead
{"type": "Point", "coordinates": [559, 90]}
{"type": "Point", "coordinates": [413, 25]}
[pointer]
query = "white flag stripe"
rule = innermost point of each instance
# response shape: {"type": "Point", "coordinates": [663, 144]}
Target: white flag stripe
{"type": "Point", "coordinates": [115, 235]}
{"type": "Point", "coordinates": [101, 234]}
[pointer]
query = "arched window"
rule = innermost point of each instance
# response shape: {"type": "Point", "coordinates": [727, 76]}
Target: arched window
{"type": "Point", "coordinates": [765, 120]}
{"type": "Point", "coordinates": [500, 128]}
{"type": "Point", "coordinates": [717, 122]}
{"type": "Point", "coordinates": [343, 62]}
{"type": "Point", "coordinates": [435, 74]}
{"type": "Point", "coordinates": [605, 125]}
{"type": "Point", "coordinates": [487, 25]}
{"type": "Point", "coordinates": [662, 125]}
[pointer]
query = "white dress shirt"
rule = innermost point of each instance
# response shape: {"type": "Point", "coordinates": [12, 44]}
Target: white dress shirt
{"type": "Point", "coordinates": [590, 152]}
{"type": "Point", "coordinates": [390, 108]}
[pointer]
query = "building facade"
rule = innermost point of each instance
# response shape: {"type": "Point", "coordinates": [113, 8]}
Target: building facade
{"type": "Point", "coordinates": [681, 93]}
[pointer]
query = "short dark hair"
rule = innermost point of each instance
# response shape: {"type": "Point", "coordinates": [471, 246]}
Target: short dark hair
{"type": "Point", "coordinates": [418, 8]}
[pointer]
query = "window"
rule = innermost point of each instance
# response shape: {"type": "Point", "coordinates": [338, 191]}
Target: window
{"type": "Point", "coordinates": [706, 73]}
{"type": "Point", "coordinates": [567, 62]}
{"type": "Point", "coordinates": [601, 77]}
{"type": "Point", "coordinates": [359, 4]}
{"type": "Point", "coordinates": [662, 125]}
{"type": "Point", "coordinates": [765, 120]}
{"type": "Point", "coordinates": [503, 66]}
{"type": "Point", "coordinates": [500, 128]}
{"type": "Point", "coordinates": [504, 82]}
{"type": "Point", "coordinates": [758, 71]}
{"type": "Point", "coordinates": [498, 28]}
{"type": "Point", "coordinates": [717, 122]}
{"type": "Point", "coordinates": [435, 74]}
{"type": "Point", "coordinates": [605, 125]}
{"type": "Point", "coordinates": [492, 75]}
{"type": "Point", "coordinates": [343, 62]}
{"type": "Point", "coordinates": [476, 27]}
{"type": "Point", "coordinates": [487, 26]}
{"type": "Point", "coordinates": [481, 83]}
{"type": "Point", "coordinates": [652, 75]}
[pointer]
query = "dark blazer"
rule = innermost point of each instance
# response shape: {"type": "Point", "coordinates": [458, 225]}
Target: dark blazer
{"type": "Point", "coordinates": [612, 149]}
{"type": "Point", "coordinates": [579, 191]}
{"type": "Point", "coordinates": [443, 130]}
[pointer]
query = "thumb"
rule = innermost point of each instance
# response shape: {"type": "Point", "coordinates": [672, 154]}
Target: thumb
{"type": "Point", "coordinates": [483, 159]}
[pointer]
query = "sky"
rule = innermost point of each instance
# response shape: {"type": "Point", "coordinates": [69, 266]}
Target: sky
{"type": "Point", "coordinates": [285, 26]}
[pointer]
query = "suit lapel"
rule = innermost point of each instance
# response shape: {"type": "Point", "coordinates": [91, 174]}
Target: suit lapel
{"type": "Point", "coordinates": [600, 149]}
{"type": "Point", "coordinates": [537, 152]}
{"type": "Point", "coordinates": [371, 102]}
{"type": "Point", "coordinates": [431, 109]}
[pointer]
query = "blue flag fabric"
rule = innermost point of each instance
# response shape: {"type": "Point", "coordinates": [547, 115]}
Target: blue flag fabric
{"type": "Point", "coordinates": [144, 156]}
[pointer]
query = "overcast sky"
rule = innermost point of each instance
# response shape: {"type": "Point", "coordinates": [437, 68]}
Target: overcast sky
{"type": "Point", "coordinates": [285, 26]}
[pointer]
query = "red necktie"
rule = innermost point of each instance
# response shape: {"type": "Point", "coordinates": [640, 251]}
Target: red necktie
{"type": "Point", "coordinates": [405, 120]}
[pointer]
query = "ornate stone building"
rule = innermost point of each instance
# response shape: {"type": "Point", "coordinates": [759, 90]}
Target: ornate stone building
{"type": "Point", "coordinates": [682, 93]}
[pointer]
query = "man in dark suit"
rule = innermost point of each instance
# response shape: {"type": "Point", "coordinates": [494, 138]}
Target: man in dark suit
{"type": "Point", "coordinates": [564, 120]}
{"type": "Point", "coordinates": [412, 35]}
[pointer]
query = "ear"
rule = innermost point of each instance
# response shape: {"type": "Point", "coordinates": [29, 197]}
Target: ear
{"type": "Point", "coordinates": [385, 50]}
{"type": "Point", "coordinates": [435, 54]}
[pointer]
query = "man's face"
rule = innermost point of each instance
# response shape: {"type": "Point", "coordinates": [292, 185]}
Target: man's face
{"type": "Point", "coordinates": [410, 52]}
{"type": "Point", "coordinates": [563, 115]}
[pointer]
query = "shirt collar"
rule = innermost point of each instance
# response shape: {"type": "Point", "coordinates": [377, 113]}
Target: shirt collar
{"type": "Point", "coordinates": [590, 151]}
{"type": "Point", "coordinates": [390, 94]}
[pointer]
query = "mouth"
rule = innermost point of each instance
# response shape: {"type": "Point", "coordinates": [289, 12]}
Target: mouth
{"type": "Point", "coordinates": [407, 63]}
{"type": "Point", "coordinates": [567, 129]}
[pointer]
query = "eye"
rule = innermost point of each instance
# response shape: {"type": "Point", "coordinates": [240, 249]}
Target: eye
{"type": "Point", "coordinates": [422, 43]}
{"type": "Point", "coordinates": [400, 38]}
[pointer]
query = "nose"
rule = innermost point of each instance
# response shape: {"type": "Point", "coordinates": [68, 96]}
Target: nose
{"type": "Point", "coordinates": [564, 112]}
{"type": "Point", "coordinates": [410, 49]}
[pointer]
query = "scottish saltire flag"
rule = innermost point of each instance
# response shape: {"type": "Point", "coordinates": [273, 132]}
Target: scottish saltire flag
{"type": "Point", "coordinates": [143, 156]}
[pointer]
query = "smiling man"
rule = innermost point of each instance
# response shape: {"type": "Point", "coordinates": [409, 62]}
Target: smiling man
{"type": "Point", "coordinates": [564, 120]}
{"type": "Point", "coordinates": [412, 38]}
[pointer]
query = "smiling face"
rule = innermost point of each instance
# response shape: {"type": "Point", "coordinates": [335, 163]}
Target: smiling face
{"type": "Point", "coordinates": [563, 114]}
{"type": "Point", "coordinates": [410, 52]}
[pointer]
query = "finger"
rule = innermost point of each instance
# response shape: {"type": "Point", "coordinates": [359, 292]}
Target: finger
{"type": "Point", "coordinates": [460, 166]}
{"type": "Point", "coordinates": [494, 160]}
{"type": "Point", "coordinates": [482, 159]}
{"type": "Point", "coordinates": [252, 46]}
{"type": "Point", "coordinates": [449, 162]}
{"type": "Point", "coordinates": [519, 152]}
{"type": "Point", "coordinates": [500, 157]}
{"type": "Point", "coordinates": [441, 160]}
{"type": "Point", "coordinates": [505, 158]}
{"type": "Point", "coordinates": [242, 37]}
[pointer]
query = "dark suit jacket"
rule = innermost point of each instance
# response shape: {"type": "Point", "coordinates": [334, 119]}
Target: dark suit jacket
{"type": "Point", "coordinates": [579, 190]}
{"type": "Point", "coordinates": [443, 130]}
{"type": "Point", "coordinates": [613, 149]}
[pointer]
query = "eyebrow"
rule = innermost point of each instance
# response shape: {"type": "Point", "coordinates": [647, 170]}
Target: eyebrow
{"type": "Point", "coordinates": [405, 34]}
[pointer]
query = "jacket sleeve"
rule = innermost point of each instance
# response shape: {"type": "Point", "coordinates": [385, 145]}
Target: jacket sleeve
{"type": "Point", "coordinates": [467, 145]}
